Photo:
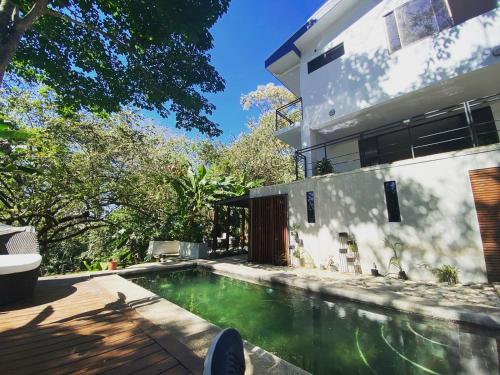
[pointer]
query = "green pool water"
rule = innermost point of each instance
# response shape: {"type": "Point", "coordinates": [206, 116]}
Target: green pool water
{"type": "Point", "coordinates": [329, 336]}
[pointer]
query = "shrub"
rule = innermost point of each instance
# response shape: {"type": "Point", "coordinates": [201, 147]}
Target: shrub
{"type": "Point", "coordinates": [324, 166]}
{"type": "Point", "coordinates": [446, 273]}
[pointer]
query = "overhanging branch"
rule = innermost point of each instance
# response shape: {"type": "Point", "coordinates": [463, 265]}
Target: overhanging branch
{"type": "Point", "coordinates": [88, 27]}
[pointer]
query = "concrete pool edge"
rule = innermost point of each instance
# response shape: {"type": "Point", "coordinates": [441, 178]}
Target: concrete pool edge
{"type": "Point", "coordinates": [487, 318]}
{"type": "Point", "coordinates": [191, 330]}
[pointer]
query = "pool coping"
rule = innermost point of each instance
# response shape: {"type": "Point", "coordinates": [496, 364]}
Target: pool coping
{"type": "Point", "coordinates": [191, 330]}
{"type": "Point", "coordinates": [484, 317]}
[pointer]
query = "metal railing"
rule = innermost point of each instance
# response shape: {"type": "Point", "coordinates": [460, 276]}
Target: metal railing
{"type": "Point", "coordinates": [469, 136]}
{"type": "Point", "coordinates": [289, 114]}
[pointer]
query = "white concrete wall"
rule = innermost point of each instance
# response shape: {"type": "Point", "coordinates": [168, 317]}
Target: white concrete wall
{"type": "Point", "coordinates": [368, 74]}
{"type": "Point", "coordinates": [439, 223]}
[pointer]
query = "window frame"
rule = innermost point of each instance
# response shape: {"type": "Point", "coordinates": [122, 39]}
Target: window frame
{"type": "Point", "coordinates": [310, 207]}
{"type": "Point", "coordinates": [398, 27]}
{"type": "Point", "coordinates": [339, 47]}
{"type": "Point", "coordinates": [392, 202]}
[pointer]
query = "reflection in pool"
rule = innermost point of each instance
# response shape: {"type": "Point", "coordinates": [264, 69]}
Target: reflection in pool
{"type": "Point", "coordinates": [328, 336]}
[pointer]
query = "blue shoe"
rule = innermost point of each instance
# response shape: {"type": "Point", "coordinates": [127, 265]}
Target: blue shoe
{"type": "Point", "coordinates": [225, 355]}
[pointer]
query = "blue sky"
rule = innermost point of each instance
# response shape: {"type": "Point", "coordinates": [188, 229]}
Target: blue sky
{"type": "Point", "coordinates": [243, 38]}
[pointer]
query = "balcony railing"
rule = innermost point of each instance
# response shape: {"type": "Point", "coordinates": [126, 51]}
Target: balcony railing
{"type": "Point", "coordinates": [289, 114]}
{"type": "Point", "coordinates": [412, 142]}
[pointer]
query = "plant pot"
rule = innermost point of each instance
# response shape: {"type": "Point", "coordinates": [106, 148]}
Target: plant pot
{"type": "Point", "coordinates": [194, 250]}
{"type": "Point", "coordinates": [112, 265]}
{"type": "Point", "coordinates": [402, 275]}
{"type": "Point", "coordinates": [375, 272]}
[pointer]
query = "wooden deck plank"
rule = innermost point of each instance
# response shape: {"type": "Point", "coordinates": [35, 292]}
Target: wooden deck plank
{"type": "Point", "coordinates": [139, 365]}
{"type": "Point", "coordinates": [177, 370]}
{"type": "Point", "coordinates": [73, 326]}
{"type": "Point", "coordinates": [69, 352]}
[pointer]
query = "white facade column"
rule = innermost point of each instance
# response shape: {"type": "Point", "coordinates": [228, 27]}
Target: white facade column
{"type": "Point", "coordinates": [308, 139]}
{"type": "Point", "coordinates": [495, 108]}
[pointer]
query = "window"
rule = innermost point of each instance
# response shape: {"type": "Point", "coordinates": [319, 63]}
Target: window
{"type": "Point", "coordinates": [416, 20]}
{"type": "Point", "coordinates": [436, 136]}
{"type": "Point", "coordinates": [325, 58]}
{"type": "Point", "coordinates": [311, 217]}
{"type": "Point", "coordinates": [392, 201]}
{"type": "Point", "coordinates": [463, 10]}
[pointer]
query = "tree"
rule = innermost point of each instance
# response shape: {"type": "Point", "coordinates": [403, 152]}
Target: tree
{"type": "Point", "coordinates": [82, 170]}
{"type": "Point", "coordinates": [259, 154]}
{"type": "Point", "coordinates": [102, 55]}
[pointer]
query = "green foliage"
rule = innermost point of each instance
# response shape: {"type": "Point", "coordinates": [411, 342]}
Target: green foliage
{"type": "Point", "coordinates": [103, 55]}
{"type": "Point", "coordinates": [259, 154]}
{"type": "Point", "coordinates": [324, 166]}
{"type": "Point", "coordinates": [396, 248]}
{"type": "Point", "coordinates": [446, 274]}
{"type": "Point", "coordinates": [99, 188]}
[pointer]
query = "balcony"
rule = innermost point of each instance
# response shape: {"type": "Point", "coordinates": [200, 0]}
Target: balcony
{"type": "Point", "coordinates": [289, 114]}
{"type": "Point", "coordinates": [467, 125]}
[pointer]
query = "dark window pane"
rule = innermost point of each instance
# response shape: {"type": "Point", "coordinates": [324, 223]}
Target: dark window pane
{"type": "Point", "coordinates": [325, 58]}
{"type": "Point", "coordinates": [311, 217]}
{"type": "Point", "coordinates": [392, 32]}
{"type": "Point", "coordinates": [416, 20]}
{"type": "Point", "coordinates": [442, 13]}
{"type": "Point", "coordinates": [485, 126]}
{"type": "Point", "coordinates": [394, 146]}
{"type": "Point", "coordinates": [368, 149]}
{"type": "Point", "coordinates": [463, 10]}
{"type": "Point", "coordinates": [443, 135]}
{"type": "Point", "coordinates": [392, 201]}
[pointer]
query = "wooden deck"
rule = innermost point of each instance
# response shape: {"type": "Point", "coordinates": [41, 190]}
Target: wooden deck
{"type": "Point", "coordinates": [73, 326]}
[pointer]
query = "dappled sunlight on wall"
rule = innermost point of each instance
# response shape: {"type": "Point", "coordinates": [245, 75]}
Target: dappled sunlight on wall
{"type": "Point", "coordinates": [439, 224]}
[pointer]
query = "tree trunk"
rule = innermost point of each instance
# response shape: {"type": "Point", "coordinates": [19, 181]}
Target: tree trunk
{"type": "Point", "coordinates": [12, 29]}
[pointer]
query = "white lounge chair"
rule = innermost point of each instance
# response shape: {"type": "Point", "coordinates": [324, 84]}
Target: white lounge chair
{"type": "Point", "coordinates": [19, 263]}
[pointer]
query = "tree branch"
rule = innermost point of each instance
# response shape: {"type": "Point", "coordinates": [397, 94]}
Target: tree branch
{"type": "Point", "coordinates": [74, 234]}
{"type": "Point", "coordinates": [88, 27]}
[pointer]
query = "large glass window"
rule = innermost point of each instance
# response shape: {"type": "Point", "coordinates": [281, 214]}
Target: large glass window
{"type": "Point", "coordinates": [428, 138]}
{"type": "Point", "coordinates": [416, 20]}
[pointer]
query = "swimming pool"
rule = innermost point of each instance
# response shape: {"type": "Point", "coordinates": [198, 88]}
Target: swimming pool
{"type": "Point", "coordinates": [328, 336]}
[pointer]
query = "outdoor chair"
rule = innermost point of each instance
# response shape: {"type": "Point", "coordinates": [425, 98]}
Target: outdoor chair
{"type": "Point", "coordinates": [19, 264]}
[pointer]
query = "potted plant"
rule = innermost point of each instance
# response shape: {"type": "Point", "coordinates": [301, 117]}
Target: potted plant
{"type": "Point", "coordinates": [395, 259]}
{"type": "Point", "coordinates": [446, 273]}
{"type": "Point", "coordinates": [374, 270]}
{"type": "Point", "coordinates": [295, 232]}
{"type": "Point", "coordinates": [112, 265]}
{"type": "Point", "coordinates": [297, 255]}
{"type": "Point", "coordinates": [324, 166]}
{"type": "Point", "coordinates": [193, 245]}
{"type": "Point", "coordinates": [331, 264]}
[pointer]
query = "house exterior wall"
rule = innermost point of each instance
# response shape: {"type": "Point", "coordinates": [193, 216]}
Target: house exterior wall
{"type": "Point", "coordinates": [439, 223]}
{"type": "Point", "coordinates": [368, 75]}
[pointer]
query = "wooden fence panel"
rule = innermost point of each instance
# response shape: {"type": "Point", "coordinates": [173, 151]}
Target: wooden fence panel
{"type": "Point", "coordinates": [486, 190]}
{"type": "Point", "coordinates": [268, 238]}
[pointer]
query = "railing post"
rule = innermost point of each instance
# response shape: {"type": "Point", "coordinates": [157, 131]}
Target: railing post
{"type": "Point", "coordinates": [296, 166]}
{"type": "Point", "coordinates": [470, 123]}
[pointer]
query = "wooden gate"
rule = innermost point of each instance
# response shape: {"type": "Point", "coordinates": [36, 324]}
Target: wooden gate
{"type": "Point", "coordinates": [268, 240]}
{"type": "Point", "coordinates": [486, 190]}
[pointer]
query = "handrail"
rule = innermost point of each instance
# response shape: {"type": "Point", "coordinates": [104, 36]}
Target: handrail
{"type": "Point", "coordinates": [308, 168]}
{"type": "Point", "coordinates": [282, 113]}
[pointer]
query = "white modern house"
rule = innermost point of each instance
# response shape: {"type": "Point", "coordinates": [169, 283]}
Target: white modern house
{"type": "Point", "coordinates": [396, 130]}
